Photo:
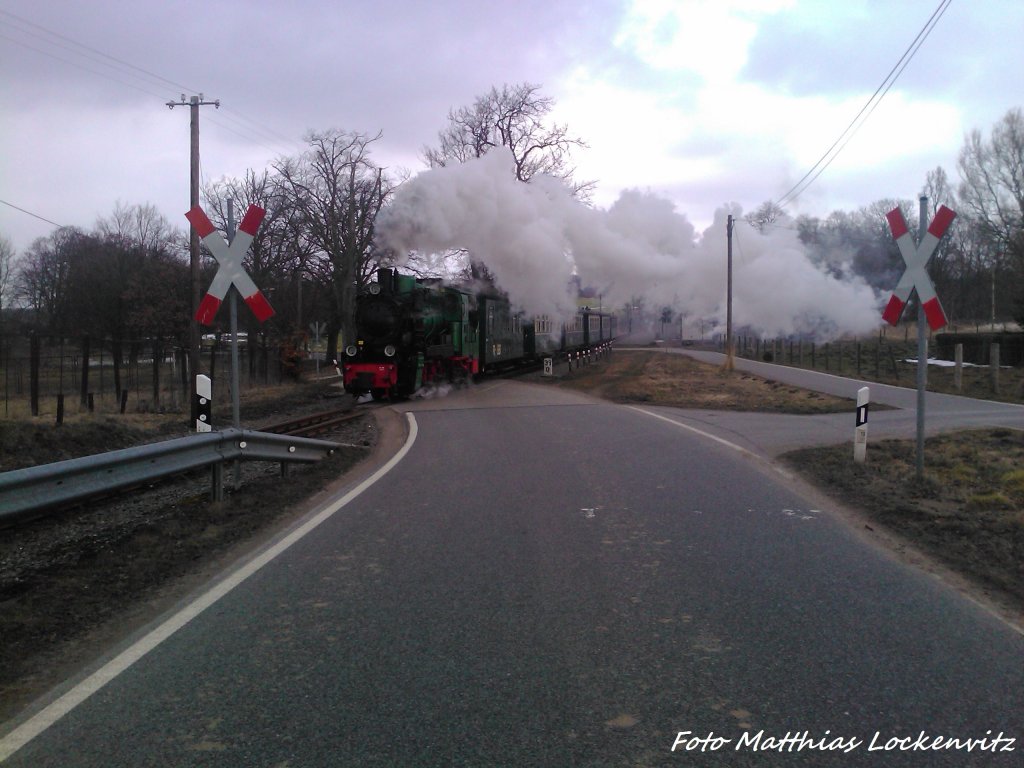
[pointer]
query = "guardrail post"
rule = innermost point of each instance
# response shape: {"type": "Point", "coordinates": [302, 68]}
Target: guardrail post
{"type": "Point", "coordinates": [217, 478]}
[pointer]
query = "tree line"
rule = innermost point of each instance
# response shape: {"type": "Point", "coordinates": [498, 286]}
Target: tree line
{"type": "Point", "coordinates": [128, 278]}
{"type": "Point", "coordinates": [978, 270]}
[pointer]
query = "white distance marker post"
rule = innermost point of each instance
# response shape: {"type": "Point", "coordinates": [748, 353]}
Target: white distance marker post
{"type": "Point", "coordinates": [549, 366]}
{"type": "Point", "coordinates": [204, 403]}
{"type": "Point", "coordinates": [860, 434]}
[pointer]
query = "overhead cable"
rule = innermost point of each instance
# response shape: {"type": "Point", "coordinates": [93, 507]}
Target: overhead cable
{"type": "Point", "coordinates": [865, 112]}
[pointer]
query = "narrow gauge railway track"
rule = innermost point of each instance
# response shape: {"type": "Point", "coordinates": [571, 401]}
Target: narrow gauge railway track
{"type": "Point", "coordinates": [318, 423]}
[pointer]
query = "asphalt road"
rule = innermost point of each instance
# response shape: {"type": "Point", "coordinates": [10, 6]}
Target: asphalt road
{"type": "Point", "coordinates": [771, 434]}
{"type": "Point", "coordinates": [545, 580]}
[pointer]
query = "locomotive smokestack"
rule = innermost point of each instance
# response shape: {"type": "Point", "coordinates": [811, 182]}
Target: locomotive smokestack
{"type": "Point", "coordinates": [386, 280]}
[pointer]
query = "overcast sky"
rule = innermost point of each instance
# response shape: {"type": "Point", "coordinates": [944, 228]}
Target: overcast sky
{"type": "Point", "coordinates": [704, 103]}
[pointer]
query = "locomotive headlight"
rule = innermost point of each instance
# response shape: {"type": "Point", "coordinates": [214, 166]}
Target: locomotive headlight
{"type": "Point", "coordinates": [389, 350]}
{"type": "Point", "coordinates": [351, 350]}
{"type": "Point", "coordinates": [374, 288]}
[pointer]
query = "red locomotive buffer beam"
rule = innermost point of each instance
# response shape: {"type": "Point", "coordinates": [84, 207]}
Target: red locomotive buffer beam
{"type": "Point", "coordinates": [370, 376]}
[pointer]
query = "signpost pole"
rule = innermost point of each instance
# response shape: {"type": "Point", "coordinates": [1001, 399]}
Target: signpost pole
{"type": "Point", "coordinates": [915, 279]}
{"type": "Point", "coordinates": [236, 409]}
{"type": "Point", "coordinates": [236, 417]}
{"type": "Point", "coordinates": [922, 348]}
{"type": "Point", "coordinates": [230, 279]}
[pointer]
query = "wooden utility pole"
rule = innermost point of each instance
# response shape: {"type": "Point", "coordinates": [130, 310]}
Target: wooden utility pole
{"type": "Point", "coordinates": [194, 104]}
{"type": "Point", "coordinates": [728, 302]}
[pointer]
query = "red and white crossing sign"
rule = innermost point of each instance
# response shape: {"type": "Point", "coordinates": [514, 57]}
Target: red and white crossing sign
{"type": "Point", "coordinates": [230, 272]}
{"type": "Point", "coordinates": [915, 275]}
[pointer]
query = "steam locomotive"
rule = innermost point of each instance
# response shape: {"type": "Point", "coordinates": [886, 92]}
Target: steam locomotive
{"type": "Point", "coordinates": [415, 332]}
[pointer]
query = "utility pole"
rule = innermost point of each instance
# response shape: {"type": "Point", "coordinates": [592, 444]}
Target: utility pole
{"type": "Point", "coordinates": [194, 104]}
{"type": "Point", "coordinates": [728, 303]}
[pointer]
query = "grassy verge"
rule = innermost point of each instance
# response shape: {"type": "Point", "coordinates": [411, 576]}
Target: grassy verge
{"type": "Point", "coordinates": [967, 511]}
{"type": "Point", "coordinates": [664, 379]}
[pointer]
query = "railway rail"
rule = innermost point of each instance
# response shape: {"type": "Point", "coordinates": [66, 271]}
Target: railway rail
{"type": "Point", "coordinates": [319, 423]}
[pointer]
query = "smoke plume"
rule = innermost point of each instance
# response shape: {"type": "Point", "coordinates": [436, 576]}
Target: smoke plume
{"type": "Point", "coordinates": [533, 237]}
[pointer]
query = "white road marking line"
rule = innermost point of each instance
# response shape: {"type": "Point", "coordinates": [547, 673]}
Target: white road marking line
{"type": "Point", "coordinates": [738, 448]}
{"type": "Point", "coordinates": [701, 432]}
{"type": "Point", "coordinates": [56, 710]}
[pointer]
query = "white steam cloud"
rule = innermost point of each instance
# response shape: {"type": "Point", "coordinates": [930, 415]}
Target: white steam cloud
{"type": "Point", "coordinates": [533, 237]}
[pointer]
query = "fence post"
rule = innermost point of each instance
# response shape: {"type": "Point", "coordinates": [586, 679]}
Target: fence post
{"type": "Point", "coordinates": [993, 364]}
{"type": "Point", "coordinates": [84, 391]}
{"type": "Point", "coordinates": [34, 372]}
{"type": "Point", "coordinates": [958, 369]}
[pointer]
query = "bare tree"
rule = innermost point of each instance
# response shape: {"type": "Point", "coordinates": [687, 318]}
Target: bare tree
{"type": "Point", "coordinates": [992, 193]}
{"type": "Point", "coordinates": [515, 117]}
{"type": "Point", "coordinates": [143, 225]}
{"type": "Point", "coordinates": [765, 215]}
{"type": "Point", "coordinates": [938, 190]}
{"type": "Point", "coordinates": [337, 191]}
{"type": "Point", "coordinates": [41, 280]}
{"type": "Point", "coordinates": [6, 272]}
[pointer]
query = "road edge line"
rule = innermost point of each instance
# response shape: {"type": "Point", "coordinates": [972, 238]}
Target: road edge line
{"type": "Point", "coordinates": [738, 448]}
{"type": "Point", "coordinates": [52, 713]}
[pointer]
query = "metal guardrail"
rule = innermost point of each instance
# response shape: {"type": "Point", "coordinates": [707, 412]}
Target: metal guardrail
{"type": "Point", "coordinates": [26, 491]}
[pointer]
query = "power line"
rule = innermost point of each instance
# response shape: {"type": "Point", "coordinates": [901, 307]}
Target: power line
{"type": "Point", "coordinates": [91, 50]}
{"type": "Point", "coordinates": [245, 127]}
{"type": "Point", "coordinates": [34, 215]}
{"type": "Point", "coordinates": [869, 107]}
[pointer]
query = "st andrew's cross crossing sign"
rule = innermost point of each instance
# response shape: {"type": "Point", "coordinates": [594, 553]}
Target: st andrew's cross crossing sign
{"type": "Point", "coordinates": [915, 275]}
{"type": "Point", "coordinates": [230, 271]}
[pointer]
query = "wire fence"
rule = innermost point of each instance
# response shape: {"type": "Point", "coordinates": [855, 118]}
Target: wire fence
{"type": "Point", "coordinates": [41, 375]}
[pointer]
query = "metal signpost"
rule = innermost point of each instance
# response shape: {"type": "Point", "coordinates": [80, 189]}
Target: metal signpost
{"type": "Point", "coordinates": [915, 278]}
{"type": "Point", "coordinates": [230, 274]}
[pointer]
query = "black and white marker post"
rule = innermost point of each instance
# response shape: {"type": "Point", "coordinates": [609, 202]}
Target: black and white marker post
{"type": "Point", "coordinates": [860, 434]}
{"type": "Point", "coordinates": [204, 403]}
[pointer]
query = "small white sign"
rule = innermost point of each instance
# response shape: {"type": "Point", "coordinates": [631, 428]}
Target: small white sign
{"type": "Point", "coordinates": [549, 366]}
{"type": "Point", "coordinates": [860, 434]}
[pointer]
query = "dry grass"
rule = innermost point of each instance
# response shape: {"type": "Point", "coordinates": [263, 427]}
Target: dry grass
{"type": "Point", "coordinates": [676, 380]}
{"type": "Point", "coordinates": [967, 511]}
{"type": "Point", "coordinates": [26, 440]}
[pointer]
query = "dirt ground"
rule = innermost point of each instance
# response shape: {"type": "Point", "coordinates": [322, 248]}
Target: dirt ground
{"type": "Point", "coordinates": [74, 584]}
